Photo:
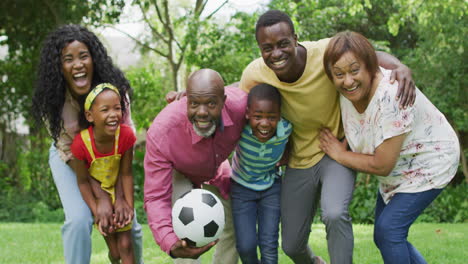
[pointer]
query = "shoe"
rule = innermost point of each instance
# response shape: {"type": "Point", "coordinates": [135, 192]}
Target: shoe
{"type": "Point", "coordinates": [319, 260]}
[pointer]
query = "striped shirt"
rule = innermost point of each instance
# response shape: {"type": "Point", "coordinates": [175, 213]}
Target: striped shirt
{"type": "Point", "coordinates": [254, 162]}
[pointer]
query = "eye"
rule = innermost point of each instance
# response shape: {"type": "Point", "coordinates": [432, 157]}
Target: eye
{"type": "Point", "coordinates": [355, 71]}
{"type": "Point", "coordinates": [338, 75]}
{"type": "Point", "coordinates": [284, 44]}
{"type": "Point", "coordinates": [266, 49]}
{"type": "Point", "coordinates": [193, 104]}
{"type": "Point", "coordinates": [212, 104]}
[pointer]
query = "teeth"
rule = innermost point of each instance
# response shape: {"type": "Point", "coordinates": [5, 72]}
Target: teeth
{"type": "Point", "coordinates": [112, 123]}
{"type": "Point", "coordinates": [351, 89]}
{"type": "Point", "coordinates": [203, 123]}
{"type": "Point", "coordinates": [278, 62]}
{"type": "Point", "coordinates": [78, 75]}
{"type": "Point", "coordinates": [264, 131]}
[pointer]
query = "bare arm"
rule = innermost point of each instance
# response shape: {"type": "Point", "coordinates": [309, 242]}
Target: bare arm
{"type": "Point", "coordinates": [401, 73]}
{"type": "Point", "coordinates": [381, 163]}
{"type": "Point", "coordinates": [124, 191]}
{"type": "Point", "coordinates": [82, 177]}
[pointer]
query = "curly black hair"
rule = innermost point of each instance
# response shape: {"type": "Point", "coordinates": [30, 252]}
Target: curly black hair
{"type": "Point", "coordinates": [49, 94]}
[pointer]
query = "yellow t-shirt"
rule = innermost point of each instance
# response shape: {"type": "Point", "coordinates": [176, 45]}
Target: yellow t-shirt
{"type": "Point", "coordinates": [309, 103]}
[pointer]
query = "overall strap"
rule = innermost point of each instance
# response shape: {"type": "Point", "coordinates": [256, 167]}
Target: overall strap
{"type": "Point", "coordinates": [87, 141]}
{"type": "Point", "coordinates": [116, 141]}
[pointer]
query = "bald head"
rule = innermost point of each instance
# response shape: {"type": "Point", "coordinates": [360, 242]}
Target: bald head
{"type": "Point", "coordinates": [205, 101]}
{"type": "Point", "coordinates": [205, 81]}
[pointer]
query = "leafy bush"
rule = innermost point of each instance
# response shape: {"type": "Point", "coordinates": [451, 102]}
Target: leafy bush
{"type": "Point", "coordinates": [451, 206]}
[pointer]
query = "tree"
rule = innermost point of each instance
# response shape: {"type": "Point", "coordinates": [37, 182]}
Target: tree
{"type": "Point", "coordinates": [174, 29]}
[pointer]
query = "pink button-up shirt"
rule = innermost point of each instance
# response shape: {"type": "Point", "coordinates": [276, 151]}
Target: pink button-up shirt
{"type": "Point", "coordinates": [171, 143]}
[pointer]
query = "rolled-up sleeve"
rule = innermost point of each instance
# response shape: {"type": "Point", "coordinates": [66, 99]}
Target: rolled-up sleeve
{"type": "Point", "coordinates": [158, 192]}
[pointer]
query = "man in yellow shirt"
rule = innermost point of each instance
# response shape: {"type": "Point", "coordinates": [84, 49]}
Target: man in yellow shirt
{"type": "Point", "coordinates": [310, 102]}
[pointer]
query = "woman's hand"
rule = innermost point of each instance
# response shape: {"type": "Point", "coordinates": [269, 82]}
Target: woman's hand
{"type": "Point", "coordinates": [331, 145]}
{"type": "Point", "coordinates": [123, 213]}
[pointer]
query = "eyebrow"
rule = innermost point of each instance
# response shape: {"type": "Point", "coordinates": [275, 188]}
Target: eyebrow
{"type": "Point", "coordinates": [351, 64]}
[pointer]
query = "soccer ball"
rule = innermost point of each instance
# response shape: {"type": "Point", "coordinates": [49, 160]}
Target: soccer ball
{"type": "Point", "coordinates": [198, 217]}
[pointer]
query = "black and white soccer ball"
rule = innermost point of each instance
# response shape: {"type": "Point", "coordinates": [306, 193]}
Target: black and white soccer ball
{"type": "Point", "coordinates": [198, 217]}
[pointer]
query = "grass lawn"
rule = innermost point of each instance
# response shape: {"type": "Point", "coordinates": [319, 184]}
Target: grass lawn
{"type": "Point", "coordinates": [27, 243]}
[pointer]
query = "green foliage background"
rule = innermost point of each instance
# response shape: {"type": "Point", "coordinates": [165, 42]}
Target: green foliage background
{"type": "Point", "coordinates": [429, 36]}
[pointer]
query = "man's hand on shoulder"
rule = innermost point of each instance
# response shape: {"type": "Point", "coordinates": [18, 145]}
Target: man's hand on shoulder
{"type": "Point", "coordinates": [181, 250]}
{"type": "Point", "coordinates": [174, 96]}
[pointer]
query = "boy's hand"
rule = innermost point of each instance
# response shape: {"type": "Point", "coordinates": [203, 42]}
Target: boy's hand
{"type": "Point", "coordinates": [181, 250]}
{"type": "Point", "coordinates": [123, 213]}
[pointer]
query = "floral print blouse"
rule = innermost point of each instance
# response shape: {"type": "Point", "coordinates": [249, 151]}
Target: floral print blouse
{"type": "Point", "coordinates": [430, 153]}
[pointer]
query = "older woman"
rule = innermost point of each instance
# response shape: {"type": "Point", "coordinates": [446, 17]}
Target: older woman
{"type": "Point", "coordinates": [414, 150]}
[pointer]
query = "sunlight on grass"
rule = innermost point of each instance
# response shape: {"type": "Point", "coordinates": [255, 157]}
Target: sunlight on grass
{"type": "Point", "coordinates": [40, 243]}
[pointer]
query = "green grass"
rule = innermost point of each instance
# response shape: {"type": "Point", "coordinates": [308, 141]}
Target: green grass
{"type": "Point", "coordinates": [28, 243]}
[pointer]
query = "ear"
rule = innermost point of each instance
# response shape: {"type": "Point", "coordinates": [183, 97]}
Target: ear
{"type": "Point", "coordinates": [224, 99]}
{"type": "Point", "coordinates": [89, 116]}
{"type": "Point", "coordinates": [247, 113]}
{"type": "Point", "coordinates": [295, 40]}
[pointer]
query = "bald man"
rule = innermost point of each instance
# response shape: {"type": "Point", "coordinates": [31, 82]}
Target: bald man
{"type": "Point", "coordinates": [187, 146]}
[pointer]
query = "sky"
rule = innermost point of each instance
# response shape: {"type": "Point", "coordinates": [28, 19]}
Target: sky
{"type": "Point", "coordinates": [133, 14]}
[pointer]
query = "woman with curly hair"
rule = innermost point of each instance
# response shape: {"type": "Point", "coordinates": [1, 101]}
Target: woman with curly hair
{"type": "Point", "coordinates": [72, 61]}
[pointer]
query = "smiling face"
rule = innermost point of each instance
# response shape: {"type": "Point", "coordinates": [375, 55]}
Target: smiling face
{"type": "Point", "coordinates": [352, 80]}
{"type": "Point", "coordinates": [205, 101]}
{"type": "Point", "coordinates": [77, 68]}
{"type": "Point", "coordinates": [263, 116]}
{"type": "Point", "coordinates": [105, 113]}
{"type": "Point", "coordinates": [278, 46]}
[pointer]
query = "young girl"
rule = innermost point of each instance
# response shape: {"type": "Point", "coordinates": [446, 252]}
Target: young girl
{"type": "Point", "coordinates": [104, 152]}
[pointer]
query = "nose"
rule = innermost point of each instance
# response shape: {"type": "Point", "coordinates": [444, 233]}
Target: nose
{"type": "Point", "coordinates": [202, 111]}
{"type": "Point", "coordinates": [348, 81]}
{"type": "Point", "coordinates": [276, 53]}
{"type": "Point", "coordinates": [264, 123]}
{"type": "Point", "coordinates": [77, 64]}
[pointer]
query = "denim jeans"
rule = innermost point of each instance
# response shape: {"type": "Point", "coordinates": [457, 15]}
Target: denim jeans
{"type": "Point", "coordinates": [250, 208]}
{"type": "Point", "coordinates": [76, 231]}
{"type": "Point", "coordinates": [392, 223]}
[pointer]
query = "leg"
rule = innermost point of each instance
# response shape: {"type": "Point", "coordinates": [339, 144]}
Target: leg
{"type": "Point", "coordinates": [299, 193]}
{"type": "Point", "coordinates": [181, 185]}
{"type": "Point", "coordinates": [244, 215]}
{"type": "Point", "coordinates": [337, 192]}
{"type": "Point", "coordinates": [76, 231]}
{"type": "Point", "coordinates": [125, 247]}
{"type": "Point", "coordinates": [137, 240]}
{"type": "Point", "coordinates": [393, 223]}
{"type": "Point", "coordinates": [268, 223]}
{"type": "Point", "coordinates": [112, 245]}
{"type": "Point", "coordinates": [225, 251]}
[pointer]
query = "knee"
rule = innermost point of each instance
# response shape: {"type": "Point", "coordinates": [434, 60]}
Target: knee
{"type": "Point", "coordinates": [337, 216]}
{"type": "Point", "coordinates": [79, 222]}
{"type": "Point", "coordinates": [380, 234]}
{"type": "Point", "coordinates": [125, 244]}
{"type": "Point", "coordinates": [246, 248]}
{"type": "Point", "coordinates": [291, 249]}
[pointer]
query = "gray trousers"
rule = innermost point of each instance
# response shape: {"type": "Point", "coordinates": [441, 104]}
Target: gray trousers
{"type": "Point", "coordinates": [225, 249]}
{"type": "Point", "coordinates": [300, 191]}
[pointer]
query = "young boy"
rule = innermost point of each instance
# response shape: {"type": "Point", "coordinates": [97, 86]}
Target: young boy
{"type": "Point", "coordinates": [255, 190]}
